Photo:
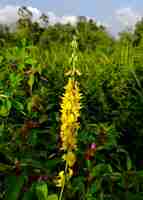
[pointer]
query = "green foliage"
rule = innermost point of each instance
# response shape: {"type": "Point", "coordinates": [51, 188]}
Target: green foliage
{"type": "Point", "coordinates": [33, 64]}
{"type": "Point", "coordinates": [14, 186]}
{"type": "Point", "coordinates": [42, 191]}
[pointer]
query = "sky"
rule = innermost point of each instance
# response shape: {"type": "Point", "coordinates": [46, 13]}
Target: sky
{"type": "Point", "coordinates": [116, 15]}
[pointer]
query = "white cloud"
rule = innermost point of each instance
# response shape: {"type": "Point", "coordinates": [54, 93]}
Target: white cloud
{"type": "Point", "coordinates": [127, 17]}
{"type": "Point", "coordinates": [69, 19]}
{"type": "Point", "coordinates": [53, 19]}
{"type": "Point", "coordinates": [36, 13]}
{"type": "Point", "coordinates": [8, 14]}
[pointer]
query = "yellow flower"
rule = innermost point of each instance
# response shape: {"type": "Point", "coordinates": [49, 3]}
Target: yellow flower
{"type": "Point", "coordinates": [70, 174]}
{"type": "Point", "coordinates": [70, 112]}
{"type": "Point", "coordinates": [70, 158]}
{"type": "Point", "coordinates": [60, 181]}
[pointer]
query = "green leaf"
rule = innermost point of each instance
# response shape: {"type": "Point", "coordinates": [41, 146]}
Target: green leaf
{"type": "Point", "coordinates": [110, 168]}
{"type": "Point", "coordinates": [93, 188]}
{"type": "Point", "coordinates": [21, 66]}
{"type": "Point", "coordinates": [1, 58]}
{"type": "Point", "coordinates": [5, 168]}
{"type": "Point", "coordinates": [33, 137]}
{"type": "Point", "coordinates": [129, 163]}
{"type": "Point", "coordinates": [5, 107]}
{"type": "Point", "coordinates": [100, 170]}
{"type": "Point", "coordinates": [15, 184]}
{"type": "Point", "coordinates": [140, 173]}
{"type": "Point", "coordinates": [31, 81]}
{"type": "Point", "coordinates": [29, 61]}
{"type": "Point", "coordinates": [52, 197]}
{"type": "Point", "coordinates": [42, 191]}
{"type": "Point", "coordinates": [28, 195]}
{"type": "Point", "coordinates": [29, 105]}
{"type": "Point", "coordinates": [15, 79]}
{"type": "Point", "coordinates": [43, 118]}
{"type": "Point", "coordinates": [18, 105]}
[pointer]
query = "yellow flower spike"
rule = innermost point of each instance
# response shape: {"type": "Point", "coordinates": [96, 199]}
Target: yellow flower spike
{"type": "Point", "coordinates": [60, 181]}
{"type": "Point", "coordinates": [70, 112]}
{"type": "Point", "coordinates": [70, 158]}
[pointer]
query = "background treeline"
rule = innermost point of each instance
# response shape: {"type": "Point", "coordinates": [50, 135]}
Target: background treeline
{"type": "Point", "coordinates": [33, 63]}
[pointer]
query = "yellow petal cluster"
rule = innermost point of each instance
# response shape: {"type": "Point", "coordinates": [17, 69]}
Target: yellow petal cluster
{"type": "Point", "coordinates": [60, 181]}
{"type": "Point", "coordinates": [70, 112]}
{"type": "Point", "coordinates": [70, 173]}
{"type": "Point", "coordinates": [70, 158]}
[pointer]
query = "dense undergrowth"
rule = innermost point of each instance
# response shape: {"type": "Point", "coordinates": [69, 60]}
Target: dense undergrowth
{"type": "Point", "coordinates": [35, 66]}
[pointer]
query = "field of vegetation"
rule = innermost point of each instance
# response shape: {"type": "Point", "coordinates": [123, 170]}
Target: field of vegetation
{"type": "Point", "coordinates": [71, 111]}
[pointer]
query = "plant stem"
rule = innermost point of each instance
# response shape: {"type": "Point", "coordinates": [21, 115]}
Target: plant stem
{"type": "Point", "coordinates": [62, 189]}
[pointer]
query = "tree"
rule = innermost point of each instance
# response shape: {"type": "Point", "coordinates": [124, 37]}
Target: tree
{"type": "Point", "coordinates": [138, 32]}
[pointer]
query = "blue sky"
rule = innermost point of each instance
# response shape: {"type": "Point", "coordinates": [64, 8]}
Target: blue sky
{"type": "Point", "coordinates": [116, 14]}
{"type": "Point", "coordinates": [98, 8]}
